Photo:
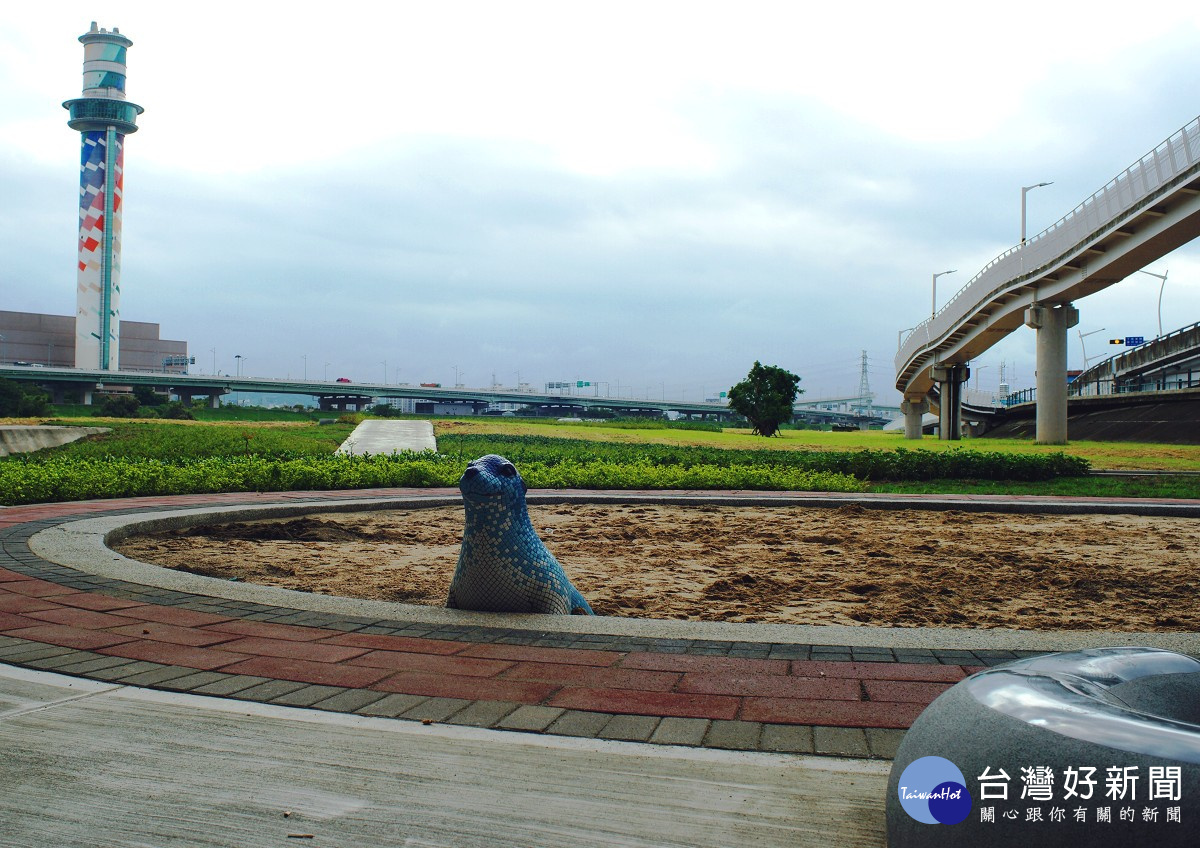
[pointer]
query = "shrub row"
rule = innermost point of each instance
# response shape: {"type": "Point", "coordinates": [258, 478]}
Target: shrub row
{"type": "Point", "coordinates": [24, 481]}
{"type": "Point", "coordinates": [879, 465]}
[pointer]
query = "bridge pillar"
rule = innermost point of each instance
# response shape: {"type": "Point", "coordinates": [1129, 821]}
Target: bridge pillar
{"type": "Point", "coordinates": [914, 414]}
{"type": "Point", "coordinates": [950, 379]}
{"type": "Point", "coordinates": [1051, 323]}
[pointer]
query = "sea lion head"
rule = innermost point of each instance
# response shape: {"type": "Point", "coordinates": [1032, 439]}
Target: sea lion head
{"type": "Point", "coordinates": [492, 476]}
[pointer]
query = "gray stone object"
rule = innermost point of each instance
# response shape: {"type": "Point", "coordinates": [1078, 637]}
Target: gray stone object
{"type": "Point", "coordinates": [1129, 715]}
{"type": "Point", "coordinates": [503, 565]}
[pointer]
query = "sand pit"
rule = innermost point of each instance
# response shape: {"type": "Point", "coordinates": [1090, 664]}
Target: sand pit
{"type": "Point", "coordinates": [849, 565]}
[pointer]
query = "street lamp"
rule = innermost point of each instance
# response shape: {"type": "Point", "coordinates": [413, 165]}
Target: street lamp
{"type": "Point", "coordinates": [238, 357]}
{"type": "Point", "coordinates": [456, 375]}
{"type": "Point", "coordinates": [304, 356]}
{"type": "Point", "coordinates": [1024, 191]}
{"type": "Point", "coordinates": [935, 276]}
{"type": "Point", "coordinates": [327, 372]}
{"type": "Point", "coordinates": [1083, 347]}
{"type": "Point", "coordinates": [1163, 277]}
{"type": "Point", "coordinates": [214, 353]}
{"type": "Point", "coordinates": [900, 335]}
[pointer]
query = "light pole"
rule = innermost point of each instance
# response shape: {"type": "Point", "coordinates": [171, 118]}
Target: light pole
{"type": "Point", "coordinates": [1083, 347]}
{"type": "Point", "coordinates": [238, 357]}
{"type": "Point", "coordinates": [384, 364]}
{"type": "Point", "coordinates": [1, 346]}
{"type": "Point", "coordinates": [456, 373]}
{"type": "Point", "coordinates": [1163, 277]}
{"type": "Point", "coordinates": [327, 372]}
{"type": "Point", "coordinates": [214, 353]}
{"type": "Point", "coordinates": [977, 369]}
{"type": "Point", "coordinates": [900, 336]}
{"type": "Point", "coordinates": [304, 356]}
{"type": "Point", "coordinates": [1024, 191]}
{"type": "Point", "coordinates": [933, 312]}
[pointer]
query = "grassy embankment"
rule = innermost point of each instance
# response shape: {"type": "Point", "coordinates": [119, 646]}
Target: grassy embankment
{"type": "Point", "coordinates": [160, 457]}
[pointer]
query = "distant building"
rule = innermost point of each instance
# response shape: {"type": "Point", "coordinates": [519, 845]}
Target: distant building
{"type": "Point", "coordinates": [36, 339]}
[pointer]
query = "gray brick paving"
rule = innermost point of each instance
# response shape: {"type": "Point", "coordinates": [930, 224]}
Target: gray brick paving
{"type": "Point", "coordinates": [193, 681]}
{"type": "Point", "coordinates": [788, 738]}
{"type": "Point", "coordinates": [883, 742]}
{"type": "Point", "coordinates": [840, 741]}
{"type": "Point", "coordinates": [118, 672]}
{"type": "Point", "coordinates": [436, 709]}
{"type": "Point", "coordinates": [391, 706]}
{"type": "Point", "coordinates": [350, 700]}
{"type": "Point", "coordinates": [631, 728]}
{"type": "Point", "coordinates": [308, 696]}
{"type": "Point", "coordinates": [484, 713]}
{"type": "Point", "coordinates": [270, 690]}
{"type": "Point", "coordinates": [85, 667]}
{"type": "Point", "coordinates": [579, 723]}
{"type": "Point", "coordinates": [529, 717]}
{"type": "Point", "coordinates": [230, 684]}
{"type": "Point", "coordinates": [157, 676]}
{"type": "Point", "coordinates": [673, 730]}
{"type": "Point", "coordinates": [733, 735]}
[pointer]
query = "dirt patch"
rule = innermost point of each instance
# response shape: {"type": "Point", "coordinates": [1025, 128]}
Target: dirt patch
{"type": "Point", "coordinates": [849, 565]}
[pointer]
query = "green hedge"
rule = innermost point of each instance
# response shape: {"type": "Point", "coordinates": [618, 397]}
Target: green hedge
{"type": "Point", "coordinates": [62, 479]}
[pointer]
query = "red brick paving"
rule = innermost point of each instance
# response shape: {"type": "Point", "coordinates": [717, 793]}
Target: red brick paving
{"type": "Point", "coordinates": [648, 703]}
{"type": "Point", "coordinates": [305, 671]}
{"type": "Point", "coordinates": [583, 675]}
{"type": "Point", "coordinates": [170, 653]}
{"type": "Point", "coordinates": [468, 688]}
{"type": "Point", "coordinates": [435, 663]}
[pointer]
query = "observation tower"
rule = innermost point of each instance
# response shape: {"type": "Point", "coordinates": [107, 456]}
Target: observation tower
{"type": "Point", "coordinates": [103, 118]}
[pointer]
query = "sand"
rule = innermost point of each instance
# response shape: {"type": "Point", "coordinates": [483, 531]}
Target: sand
{"type": "Point", "coordinates": [848, 565]}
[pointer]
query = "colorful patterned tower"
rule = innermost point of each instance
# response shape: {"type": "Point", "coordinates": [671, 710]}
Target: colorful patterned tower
{"type": "Point", "coordinates": [103, 118]}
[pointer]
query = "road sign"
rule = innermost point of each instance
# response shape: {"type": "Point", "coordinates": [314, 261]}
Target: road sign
{"type": "Point", "coordinates": [1134, 341]}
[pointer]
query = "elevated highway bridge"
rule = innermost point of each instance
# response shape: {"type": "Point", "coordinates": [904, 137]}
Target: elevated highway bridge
{"type": "Point", "coordinates": [84, 383]}
{"type": "Point", "coordinates": [1147, 211]}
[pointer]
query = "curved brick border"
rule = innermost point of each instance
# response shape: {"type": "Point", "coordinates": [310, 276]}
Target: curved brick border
{"type": "Point", "coordinates": [786, 696]}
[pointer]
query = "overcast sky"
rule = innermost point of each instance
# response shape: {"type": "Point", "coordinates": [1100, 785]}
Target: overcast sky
{"type": "Point", "coordinates": [647, 195]}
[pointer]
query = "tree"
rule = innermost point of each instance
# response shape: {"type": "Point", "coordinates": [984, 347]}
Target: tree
{"type": "Point", "coordinates": [20, 400]}
{"type": "Point", "coordinates": [765, 397]}
{"type": "Point", "coordinates": [146, 396]}
{"type": "Point", "coordinates": [118, 406]}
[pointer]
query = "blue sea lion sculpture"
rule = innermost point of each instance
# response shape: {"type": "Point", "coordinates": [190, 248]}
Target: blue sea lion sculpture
{"type": "Point", "coordinates": [503, 565]}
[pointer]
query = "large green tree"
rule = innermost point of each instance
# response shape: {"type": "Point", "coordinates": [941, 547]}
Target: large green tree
{"type": "Point", "coordinates": [765, 397]}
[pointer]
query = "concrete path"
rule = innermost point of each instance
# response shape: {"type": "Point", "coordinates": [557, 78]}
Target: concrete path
{"type": "Point", "coordinates": [375, 436]}
{"type": "Point", "coordinates": [84, 763]}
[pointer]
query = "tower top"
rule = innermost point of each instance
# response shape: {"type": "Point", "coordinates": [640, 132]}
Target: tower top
{"type": "Point", "coordinates": [101, 34]}
{"type": "Point", "coordinates": [103, 103]}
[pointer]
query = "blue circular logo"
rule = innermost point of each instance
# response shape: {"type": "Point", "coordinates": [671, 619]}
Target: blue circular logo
{"type": "Point", "coordinates": [933, 790]}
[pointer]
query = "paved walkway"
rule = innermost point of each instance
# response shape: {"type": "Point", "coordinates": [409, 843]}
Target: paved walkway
{"type": "Point", "coordinates": [377, 437]}
{"type": "Point", "coordinates": [674, 683]}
